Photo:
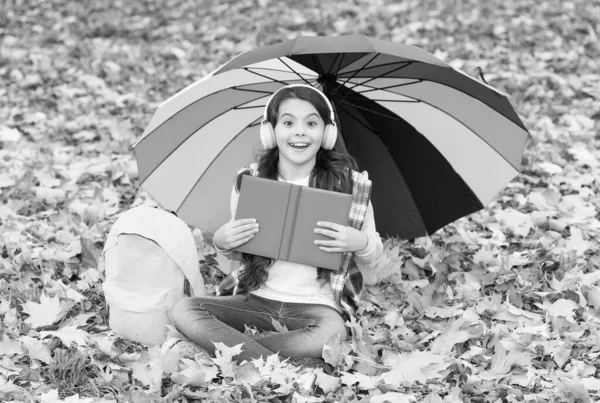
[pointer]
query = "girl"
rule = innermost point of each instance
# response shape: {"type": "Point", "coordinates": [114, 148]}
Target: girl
{"type": "Point", "coordinates": [299, 133]}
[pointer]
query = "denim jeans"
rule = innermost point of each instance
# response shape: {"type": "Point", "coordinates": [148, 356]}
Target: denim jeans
{"type": "Point", "coordinates": [222, 319]}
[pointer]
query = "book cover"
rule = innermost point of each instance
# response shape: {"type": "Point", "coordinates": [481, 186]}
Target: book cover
{"type": "Point", "coordinates": [288, 214]}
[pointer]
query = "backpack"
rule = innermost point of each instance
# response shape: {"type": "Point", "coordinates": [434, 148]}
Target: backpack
{"type": "Point", "coordinates": [151, 263]}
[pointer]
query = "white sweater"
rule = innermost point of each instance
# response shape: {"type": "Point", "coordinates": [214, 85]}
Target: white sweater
{"type": "Point", "coordinates": [294, 282]}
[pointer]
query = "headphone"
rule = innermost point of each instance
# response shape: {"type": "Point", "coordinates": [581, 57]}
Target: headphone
{"type": "Point", "coordinates": [267, 133]}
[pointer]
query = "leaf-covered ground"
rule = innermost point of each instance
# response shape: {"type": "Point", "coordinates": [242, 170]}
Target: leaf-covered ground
{"type": "Point", "coordinates": [502, 306]}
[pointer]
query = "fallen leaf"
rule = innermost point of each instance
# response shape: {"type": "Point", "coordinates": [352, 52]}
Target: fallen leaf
{"type": "Point", "coordinates": [195, 373]}
{"type": "Point", "coordinates": [518, 223]}
{"type": "Point", "coordinates": [452, 335]}
{"type": "Point", "coordinates": [417, 366]}
{"type": "Point", "coordinates": [247, 373]}
{"type": "Point", "coordinates": [43, 314]}
{"type": "Point", "coordinates": [10, 347]}
{"type": "Point", "coordinates": [36, 349]}
{"type": "Point", "coordinates": [279, 327]}
{"type": "Point", "coordinates": [393, 397]}
{"type": "Point", "coordinates": [433, 398]}
{"type": "Point", "coordinates": [572, 390]}
{"type": "Point", "coordinates": [327, 382]}
{"type": "Point", "coordinates": [562, 307]}
{"type": "Point", "coordinates": [68, 335]}
{"type": "Point", "coordinates": [224, 357]}
{"type": "Point", "coordinates": [363, 382]}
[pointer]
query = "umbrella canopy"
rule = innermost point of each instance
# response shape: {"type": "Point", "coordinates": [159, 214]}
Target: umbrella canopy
{"type": "Point", "coordinates": [438, 145]}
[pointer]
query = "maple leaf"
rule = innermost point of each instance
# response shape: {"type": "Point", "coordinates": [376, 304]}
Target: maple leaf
{"type": "Point", "coordinates": [503, 360]}
{"type": "Point", "coordinates": [247, 373]}
{"type": "Point", "coordinates": [433, 398]}
{"type": "Point", "coordinates": [8, 367]}
{"type": "Point", "coordinates": [451, 336]}
{"type": "Point", "coordinates": [278, 372]}
{"type": "Point", "coordinates": [68, 335]}
{"type": "Point", "coordinates": [148, 375]}
{"type": "Point", "coordinates": [577, 243]}
{"type": "Point", "coordinates": [363, 382]}
{"type": "Point", "coordinates": [336, 352]}
{"type": "Point", "coordinates": [12, 389]}
{"type": "Point", "coordinates": [562, 307]}
{"type": "Point", "coordinates": [224, 357]}
{"type": "Point", "coordinates": [327, 382]}
{"type": "Point", "coordinates": [417, 366]}
{"type": "Point", "coordinates": [43, 314]}
{"type": "Point", "coordinates": [298, 398]}
{"type": "Point", "coordinates": [518, 223]}
{"type": "Point", "coordinates": [393, 397]}
{"type": "Point", "coordinates": [52, 397]}
{"type": "Point", "coordinates": [444, 312]}
{"type": "Point", "coordinates": [195, 373]}
{"type": "Point", "coordinates": [9, 347]}
{"type": "Point", "coordinates": [572, 390]}
{"type": "Point", "coordinates": [279, 327]}
{"type": "Point", "coordinates": [36, 349]}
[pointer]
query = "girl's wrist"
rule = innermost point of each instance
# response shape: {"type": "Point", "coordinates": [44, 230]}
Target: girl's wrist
{"type": "Point", "coordinates": [366, 243]}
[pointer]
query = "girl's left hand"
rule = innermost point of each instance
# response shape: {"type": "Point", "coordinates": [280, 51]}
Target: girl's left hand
{"type": "Point", "coordinates": [345, 238]}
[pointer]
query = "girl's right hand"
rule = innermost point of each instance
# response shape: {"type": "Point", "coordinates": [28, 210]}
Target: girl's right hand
{"type": "Point", "coordinates": [235, 233]}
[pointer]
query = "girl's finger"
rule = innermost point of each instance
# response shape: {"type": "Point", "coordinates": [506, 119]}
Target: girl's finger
{"type": "Point", "coordinates": [244, 221]}
{"type": "Point", "coordinates": [243, 235]}
{"type": "Point", "coordinates": [246, 227]}
{"type": "Point", "coordinates": [326, 232]}
{"type": "Point", "coordinates": [330, 249]}
{"type": "Point", "coordinates": [330, 244]}
{"type": "Point", "coordinates": [242, 241]}
{"type": "Point", "coordinates": [327, 224]}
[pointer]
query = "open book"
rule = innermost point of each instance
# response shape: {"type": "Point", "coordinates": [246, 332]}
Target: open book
{"type": "Point", "coordinates": [287, 215]}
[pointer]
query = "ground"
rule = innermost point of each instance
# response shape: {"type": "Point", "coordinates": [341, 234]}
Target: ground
{"type": "Point", "coordinates": [500, 306]}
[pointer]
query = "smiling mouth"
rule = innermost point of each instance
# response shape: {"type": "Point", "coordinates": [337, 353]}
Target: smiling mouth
{"type": "Point", "coordinates": [299, 146]}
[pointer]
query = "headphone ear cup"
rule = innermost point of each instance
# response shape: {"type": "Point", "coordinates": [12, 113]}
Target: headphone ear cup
{"type": "Point", "coordinates": [329, 137]}
{"type": "Point", "coordinates": [267, 136]}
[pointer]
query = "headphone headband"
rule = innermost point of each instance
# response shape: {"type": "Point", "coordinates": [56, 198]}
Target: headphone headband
{"type": "Point", "coordinates": [331, 114]}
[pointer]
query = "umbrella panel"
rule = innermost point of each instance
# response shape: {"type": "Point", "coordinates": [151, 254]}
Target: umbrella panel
{"type": "Point", "coordinates": [409, 171]}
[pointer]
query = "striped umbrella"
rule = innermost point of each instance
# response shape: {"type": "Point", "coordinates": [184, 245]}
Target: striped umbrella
{"type": "Point", "coordinates": [438, 145]}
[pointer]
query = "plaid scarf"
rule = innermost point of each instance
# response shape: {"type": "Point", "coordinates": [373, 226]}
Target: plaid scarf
{"type": "Point", "coordinates": [347, 283]}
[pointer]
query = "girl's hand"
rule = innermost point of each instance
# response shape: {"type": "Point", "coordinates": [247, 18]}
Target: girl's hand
{"type": "Point", "coordinates": [235, 233]}
{"type": "Point", "coordinates": [345, 238]}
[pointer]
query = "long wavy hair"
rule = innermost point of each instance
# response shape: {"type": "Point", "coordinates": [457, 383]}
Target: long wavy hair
{"type": "Point", "coordinates": [332, 171]}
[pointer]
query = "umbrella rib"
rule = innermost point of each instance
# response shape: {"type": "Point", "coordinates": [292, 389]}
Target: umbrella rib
{"type": "Point", "coordinates": [251, 90]}
{"type": "Point", "coordinates": [278, 70]}
{"type": "Point", "coordinates": [208, 167]}
{"type": "Point", "coordinates": [341, 61]}
{"type": "Point", "coordinates": [190, 135]}
{"type": "Point", "coordinates": [238, 108]}
{"type": "Point", "coordinates": [267, 77]}
{"type": "Point", "coordinates": [333, 63]}
{"type": "Point", "coordinates": [452, 116]}
{"type": "Point", "coordinates": [408, 101]}
{"type": "Point", "coordinates": [355, 73]}
{"type": "Point", "coordinates": [352, 115]}
{"type": "Point", "coordinates": [417, 81]}
{"type": "Point", "coordinates": [421, 80]}
{"type": "Point", "coordinates": [298, 74]}
{"type": "Point", "coordinates": [372, 111]}
{"type": "Point", "coordinates": [317, 62]}
{"type": "Point", "coordinates": [382, 75]}
{"type": "Point", "coordinates": [379, 65]}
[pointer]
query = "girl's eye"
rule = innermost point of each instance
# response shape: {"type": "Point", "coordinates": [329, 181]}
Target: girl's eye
{"type": "Point", "coordinates": [287, 123]}
{"type": "Point", "coordinates": [313, 123]}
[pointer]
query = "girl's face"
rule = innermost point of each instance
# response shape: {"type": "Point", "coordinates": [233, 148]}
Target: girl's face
{"type": "Point", "coordinates": [299, 131]}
